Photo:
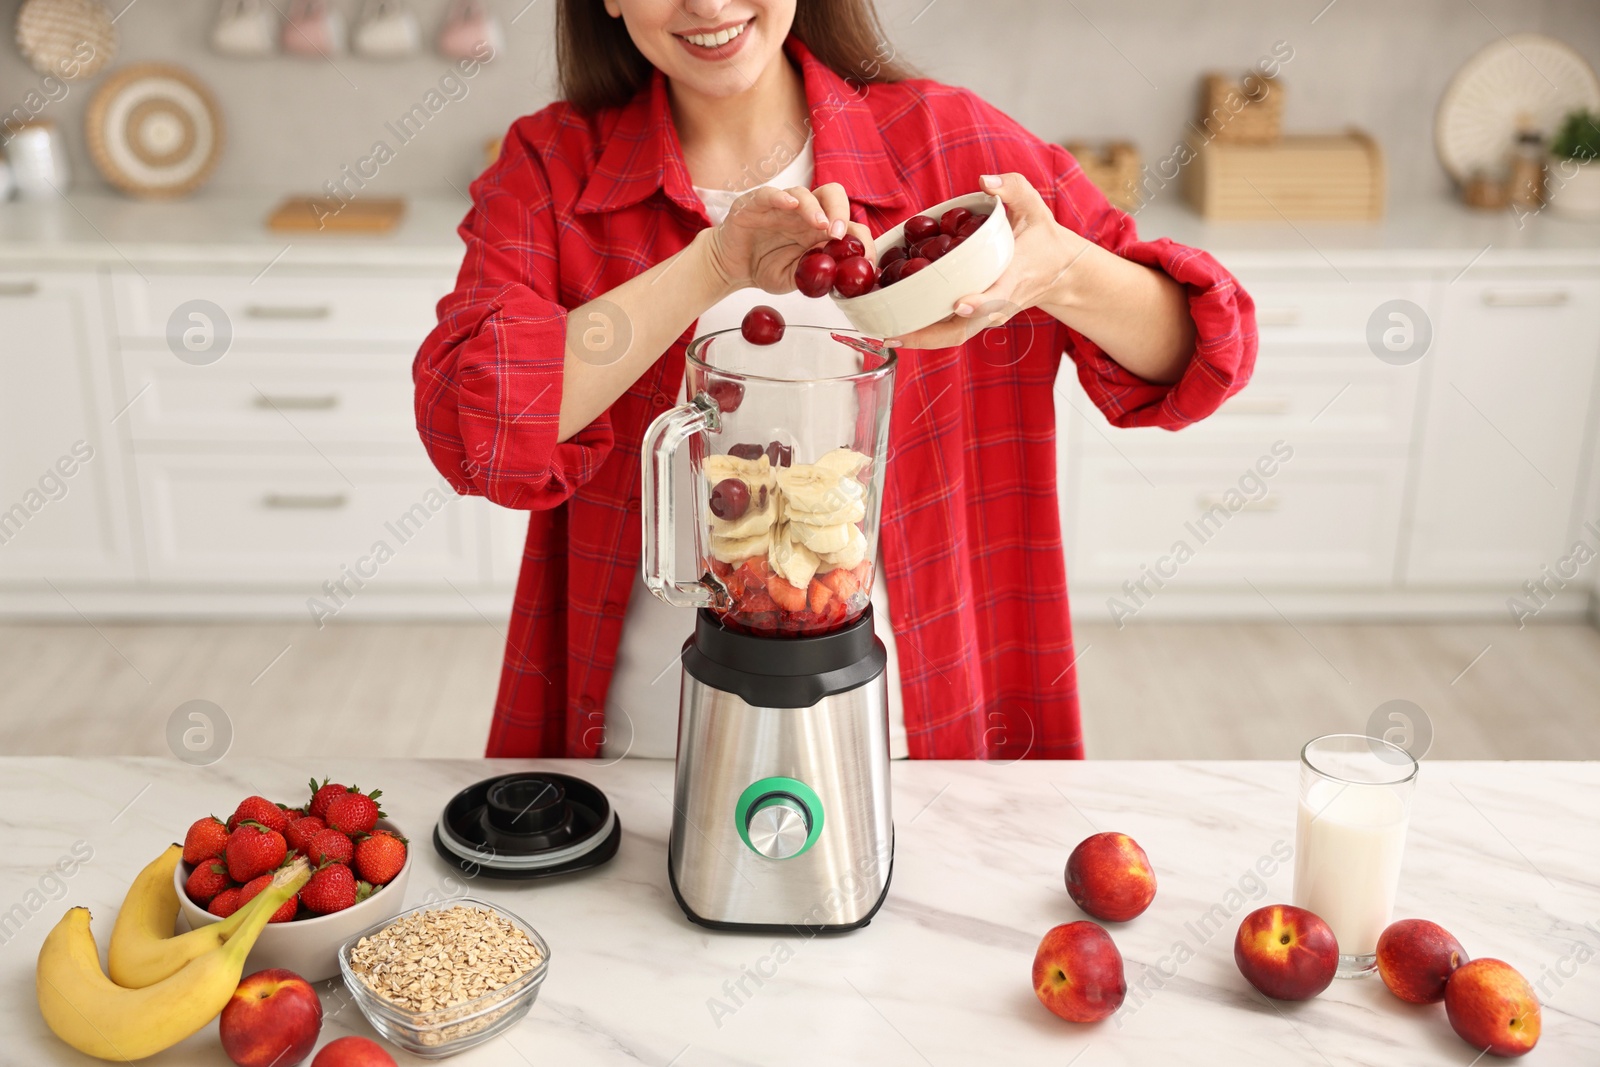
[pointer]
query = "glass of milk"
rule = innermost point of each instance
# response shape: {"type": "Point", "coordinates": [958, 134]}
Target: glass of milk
{"type": "Point", "coordinates": [1355, 803]}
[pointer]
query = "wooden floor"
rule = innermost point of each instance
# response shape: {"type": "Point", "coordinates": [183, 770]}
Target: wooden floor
{"type": "Point", "coordinates": [1209, 690]}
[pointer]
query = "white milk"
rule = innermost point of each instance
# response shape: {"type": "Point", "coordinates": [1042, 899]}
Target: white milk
{"type": "Point", "coordinates": [1348, 845]}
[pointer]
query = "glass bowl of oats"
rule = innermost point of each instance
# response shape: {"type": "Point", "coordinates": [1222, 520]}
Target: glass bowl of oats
{"type": "Point", "coordinates": [443, 977]}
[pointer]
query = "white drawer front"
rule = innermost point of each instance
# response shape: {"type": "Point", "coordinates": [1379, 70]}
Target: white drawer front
{"type": "Point", "coordinates": [251, 519]}
{"type": "Point", "coordinates": [1299, 393]}
{"type": "Point", "coordinates": [285, 307]}
{"type": "Point", "coordinates": [1288, 309]}
{"type": "Point", "coordinates": [276, 397]}
{"type": "Point", "coordinates": [1317, 521]}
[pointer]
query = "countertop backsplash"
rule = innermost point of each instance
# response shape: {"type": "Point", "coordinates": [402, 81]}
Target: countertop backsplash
{"type": "Point", "coordinates": [1092, 69]}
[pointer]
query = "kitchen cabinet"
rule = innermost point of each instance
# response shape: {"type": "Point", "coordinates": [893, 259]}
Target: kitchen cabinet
{"type": "Point", "coordinates": [303, 519]}
{"type": "Point", "coordinates": [63, 511]}
{"type": "Point", "coordinates": [239, 485]}
{"type": "Point", "coordinates": [1506, 424]}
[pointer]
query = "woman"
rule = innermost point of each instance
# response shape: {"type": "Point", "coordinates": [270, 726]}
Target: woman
{"type": "Point", "coordinates": [621, 222]}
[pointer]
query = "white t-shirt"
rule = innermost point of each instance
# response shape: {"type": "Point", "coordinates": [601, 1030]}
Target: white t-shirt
{"type": "Point", "coordinates": [642, 703]}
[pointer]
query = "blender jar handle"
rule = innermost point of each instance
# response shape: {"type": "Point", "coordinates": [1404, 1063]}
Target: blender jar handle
{"type": "Point", "coordinates": [660, 491]}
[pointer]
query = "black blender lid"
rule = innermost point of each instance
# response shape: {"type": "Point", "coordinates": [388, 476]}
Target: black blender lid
{"type": "Point", "coordinates": [531, 824]}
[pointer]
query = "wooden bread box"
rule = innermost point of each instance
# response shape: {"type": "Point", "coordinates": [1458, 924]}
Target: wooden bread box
{"type": "Point", "coordinates": [1302, 177]}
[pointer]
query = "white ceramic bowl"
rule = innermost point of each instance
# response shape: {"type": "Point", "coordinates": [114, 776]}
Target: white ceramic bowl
{"type": "Point", "coordinates": [930, 295]}
{"type": "Point", "coordinates": [308, 947]}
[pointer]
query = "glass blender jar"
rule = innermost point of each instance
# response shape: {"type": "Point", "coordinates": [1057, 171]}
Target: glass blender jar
{"type": "Point", "coordinates": [781, 814]}
{"type": "Point", "coordinates": [786, 446]}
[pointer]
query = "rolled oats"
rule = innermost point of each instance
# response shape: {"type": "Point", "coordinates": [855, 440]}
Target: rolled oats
{"type": "Point", "coordinates": [435, 960]}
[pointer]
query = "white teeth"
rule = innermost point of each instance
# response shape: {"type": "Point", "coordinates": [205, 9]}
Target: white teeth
{"type": "Point", "coordinates": [715, 40]}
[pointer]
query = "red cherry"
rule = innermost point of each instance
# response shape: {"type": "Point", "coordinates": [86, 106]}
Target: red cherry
{"type": "Point", "coordinates": [912, 266]}
{"type": "Point", "coordinates": [780, 455]}
{"type": "Point", "coordinates": [970, 226]}
{"type": "Point", "coordinates": [855, 276]}
{"type": "Point", "coordinates": [920, 228]}
{"type": "Point", "coordinates": [762, 326]}
{"type": "Point", "coordinates": [936, 247]}
{"type": "Point", "coordinates": [728, 395]}
{"type": "Point", "coordinates": [842, 248]}
{"type": "Point", "coordinates": [730, 499]}
{"type": "Point", "coordinates": [893, 272]}
{"type": "Point", "coordinates": [748, 452]}
{"type": "Point", "coordinates": [893, 254]}
{"type": "Point", "coordinates": [951, 220]}
{"type": "Point", "coordinates": [815, 273]}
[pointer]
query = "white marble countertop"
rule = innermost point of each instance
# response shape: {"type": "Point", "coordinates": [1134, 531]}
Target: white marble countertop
{"type": "Point", "coordinates": [1501, 854]}
{"type": "Point", "coordinates": [227, 229]}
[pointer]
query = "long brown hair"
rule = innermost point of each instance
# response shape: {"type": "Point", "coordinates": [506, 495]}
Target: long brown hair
{"type": "Point", "coordinates": [599, 65]}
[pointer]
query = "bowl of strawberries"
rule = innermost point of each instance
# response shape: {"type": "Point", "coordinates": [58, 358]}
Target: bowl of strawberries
{"type": "Point", "coordinates": [360, 865]}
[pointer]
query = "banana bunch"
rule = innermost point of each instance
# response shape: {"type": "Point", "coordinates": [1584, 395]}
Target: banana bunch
{"type": "Point", "coordinates": [168, 987]}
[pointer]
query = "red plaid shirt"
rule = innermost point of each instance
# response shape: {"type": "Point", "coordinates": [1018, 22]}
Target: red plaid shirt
{"type": "Point", "coordinates": [971, 537]}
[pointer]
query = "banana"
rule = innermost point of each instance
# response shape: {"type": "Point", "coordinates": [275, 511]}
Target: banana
{"type": "Point", "coordinates": [143, 947]}
{"type": "Point", "coordinates": [98, 1017]}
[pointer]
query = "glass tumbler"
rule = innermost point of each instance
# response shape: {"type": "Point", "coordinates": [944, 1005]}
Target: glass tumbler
{"type": "Point", "coordinates": [1350, 836]}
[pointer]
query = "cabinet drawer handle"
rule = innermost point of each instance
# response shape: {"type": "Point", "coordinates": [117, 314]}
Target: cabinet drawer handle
{"type": "Point", "coordinates": [1207, 501]}
{"type": "Point", "coordinates": [297, 403]}
{"type": "Point", "coordinates": [305, 501]}
{"type": "Point", "coordinates": [1525, 298]}
{"type": "Point", "coordinates": [18, 288]}
{"type": "Point", "coordinates": [1277, 316]}
{"type": "Point", "coordinates": [270, 311]}
{"type": "Point", "coordinates": [1258, 405]}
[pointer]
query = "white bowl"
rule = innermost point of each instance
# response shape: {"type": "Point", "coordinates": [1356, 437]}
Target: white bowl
{"type": "Point", "coordinates": [308, 947]}
{"type": "Point", "coordinates": [930, 295]}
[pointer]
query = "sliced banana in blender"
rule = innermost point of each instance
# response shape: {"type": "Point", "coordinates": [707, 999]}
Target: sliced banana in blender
{"type": "Point", "coordinates": [821, 539]}
{"type": "Point", "coordinates": [735, 550]}
{"type": "Point", "coordinates": [794, 561]}
{"type": "Point", "coordinates": [853, 552]}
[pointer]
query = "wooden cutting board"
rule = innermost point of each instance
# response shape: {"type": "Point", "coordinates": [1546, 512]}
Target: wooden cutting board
{"type": "Point", "coordinates": [317, 214]}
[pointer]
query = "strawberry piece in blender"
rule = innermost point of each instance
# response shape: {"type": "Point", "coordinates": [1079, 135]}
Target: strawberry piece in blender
{"type": "Point", "coordinates": [840, 581]}
{"type": "Point", "coordinates": [786, 596]}
{"type": "Point", "coordinates": [817, 596]}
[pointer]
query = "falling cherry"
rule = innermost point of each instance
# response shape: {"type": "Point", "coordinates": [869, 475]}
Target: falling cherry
{"type": "Point", "coordinates": [762, 325]}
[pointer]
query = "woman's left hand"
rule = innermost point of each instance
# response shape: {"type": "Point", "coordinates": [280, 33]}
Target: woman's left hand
{"type": "Point", "coordinates": [1045, 251]}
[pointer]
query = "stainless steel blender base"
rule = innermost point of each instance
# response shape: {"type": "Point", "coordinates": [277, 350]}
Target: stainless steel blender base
{"type": "Point", "coordinates": [808, 784]}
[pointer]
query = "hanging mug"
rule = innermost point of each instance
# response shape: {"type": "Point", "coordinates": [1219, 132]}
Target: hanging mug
{"type": "Point", "coordinates": [387, 30]}
{"type": "Point", "coordinates": [470, 32]}
{"type": "Point", "coordinates": [313, 30]}
{"type": "Point", "coordinates": [245, 28]}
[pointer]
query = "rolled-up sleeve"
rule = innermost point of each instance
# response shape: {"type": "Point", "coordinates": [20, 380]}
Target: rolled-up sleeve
{"type": "Point", "coordinates": [1224, 316]}
{"type": "Point", "coordinates": [489, 377]}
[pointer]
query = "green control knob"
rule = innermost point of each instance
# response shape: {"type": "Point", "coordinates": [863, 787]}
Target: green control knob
{"type": "Point", "coordinates": [777, 827]}
{"type": "Point", "coordinates": [778, 818]}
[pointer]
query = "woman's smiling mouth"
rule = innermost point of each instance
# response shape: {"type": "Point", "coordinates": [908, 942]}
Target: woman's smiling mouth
{"type": "Point", "coordinates": [719, 41]}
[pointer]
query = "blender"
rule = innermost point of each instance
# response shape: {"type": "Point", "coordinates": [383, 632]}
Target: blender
{"type": "Point", "coordinates": [781, 799]}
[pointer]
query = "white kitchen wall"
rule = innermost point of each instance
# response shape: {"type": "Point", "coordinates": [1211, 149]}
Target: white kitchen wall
{"type": "Point", "coordinates": [1091, 68]}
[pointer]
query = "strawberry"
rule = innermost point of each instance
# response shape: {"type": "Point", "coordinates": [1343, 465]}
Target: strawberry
{"type": "Point", "coordinates": [863, 573]}
{"type": "Point", "coordinates": [225, 903]}
{"type": "Point", "coordinates": [206, 882]}
{"type": "Point", "coordinates": [205, 840]}
{"type": "Point", "coordinates": [299, 833]}
{"type": "Point", "coordinates": [258, 809]}
{"type": "Point", "coordinates": [380, 856]}
{"type": "Point", "coordinates": [249, 892]}
{"type": "Point", "coordinates": [291, 814]}
{"type": "Point", "coordinates": [329, 846]}
{"type": "Point", "coordinates": [817, 595]}
{"type": "Point", "coordinates": [355, 812]}
{"type": "Point", "coordinates": [323, 795]}
{"type": "Point", "coordinates": [841, 581]}
{"type": "Point", "coordinates": [254, 849]}
{"type": "Point", "coordinates": [333, 888]}
{"type": "Point", "coordinates": [786, 596]}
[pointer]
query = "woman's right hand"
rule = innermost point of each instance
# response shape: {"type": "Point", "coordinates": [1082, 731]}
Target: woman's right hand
{"type": "Point", "coordinates": [768, 229]}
